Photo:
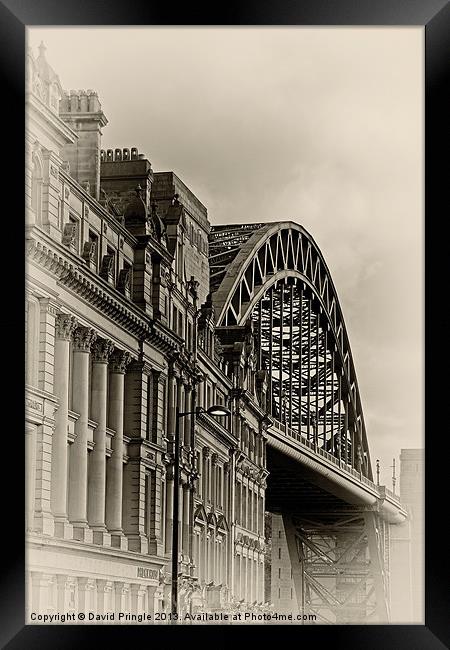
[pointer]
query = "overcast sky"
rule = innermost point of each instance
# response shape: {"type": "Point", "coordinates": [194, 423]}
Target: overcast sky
{"type": "Point", "coordinates": [322, 126]}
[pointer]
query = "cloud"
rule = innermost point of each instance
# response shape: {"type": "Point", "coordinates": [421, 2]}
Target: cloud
{"type": "Point", "coordinates": [321, 126]}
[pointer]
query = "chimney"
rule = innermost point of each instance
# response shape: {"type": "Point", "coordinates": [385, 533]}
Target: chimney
{"type": "Point", "coordinates": [122, 170]}
{"type": "Point", "coordinates": [82, 111]}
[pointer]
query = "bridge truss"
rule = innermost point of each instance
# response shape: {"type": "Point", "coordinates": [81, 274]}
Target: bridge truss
{"type": "Point", "coordinates": [339, 566]}
{"type": "Point", "coordinates": [275, 276]}
{"type": "Point", "coordinates": [271, 279]}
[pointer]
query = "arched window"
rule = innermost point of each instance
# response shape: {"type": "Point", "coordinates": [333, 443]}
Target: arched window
{"type": "Point", "coordinates": [36, 189]}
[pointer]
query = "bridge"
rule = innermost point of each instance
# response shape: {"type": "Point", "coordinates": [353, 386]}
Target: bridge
{"type": "Point", "coordinates": [270, 283]}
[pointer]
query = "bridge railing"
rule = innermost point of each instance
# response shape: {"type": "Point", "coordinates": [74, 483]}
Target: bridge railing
{"type": "Point", "coordinates": [304, 442]}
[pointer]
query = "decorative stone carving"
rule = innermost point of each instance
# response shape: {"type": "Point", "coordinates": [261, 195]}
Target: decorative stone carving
{"type": "Point", "coordinates": [69, 234]}
{"type": "Point", "coordinates": [192, 286]}
{"type": "Point", "coordinates": [214, 458]}
{"type": "Point", "coordinates": [107, 268]}
{"type": "Point", "coordinates": [206, 452]}
{"type": "Point", "coordinates": [124, 282]}
{"type": "Point", "coordinates": [102, 350]}
{"type": "Point", "coordinates": [83, 339]}
{"type": "Point", "coordinates": [65, 326]}
{"type": "Point", "coordinates": [156, 224]}
{"type": "Point", "coordinates": [119, 361]}
{"type": "Point", "coordinates": [89, 252]}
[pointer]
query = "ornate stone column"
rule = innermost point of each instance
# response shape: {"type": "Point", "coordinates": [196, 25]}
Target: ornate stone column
{"type": "Point", "coordinates": [84, 338]}
{"type": "Point", "coordinates": [97, 467]}
{"type": "Point", "coordinates": [39, 591]}
{"type": "Point", "coordinates": [187, 408]}
{"type": "Point", "coordinates": [83, 594]}
{"type": "Point", "coordinates": [186, 519]}
{"type": "Point", "coordinates": [180, 404]}
{"type": "Point", "coordinates": [62, 582]}
{"type": "Point", "coordinates": [114, 475]}
{"type": "Point", "coordinates": [170, 403]}
{"type": "Point", "coordinates": [169, 509]}
{"type": "Point", "coordinates": [137, 594]}
{"type": "Point", "coordinates": [250, 505]}
{"type": "Point", "coordinates": [103, 588]}
{"type": "Point", "coordinates": [65, 326]}
{"type": "Point", "coordinates": [151, 596]}
{"type": "Point", "coordinates": [120, 597]}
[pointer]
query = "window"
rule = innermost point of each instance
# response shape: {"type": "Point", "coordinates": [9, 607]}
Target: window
{"type": "Point", "coordinates": [93, 240]}
{"type": "Point", "coordinates": [112, 253]}
{"type": "Point", "coordinates": [279, 552]}
{"type": "Point", "coordinates": [189, 336]}
{"type": "Point", "coordinates": [36, 189]}
{"type": "Point", "coordinates": [180, 325]}
{"type": "Point", "coordinates": [163, 511]}
{"type": "Point", "coordinates": [148, 428]}
{"type": "Point", "coordinates": [148, 501]}
{"type": "Point", "coordinates": [76, 223]}
{"type": "Point", "coordinates": [279, 573]}
{"type": "Point", "coordinates": [128, 288]}
{"type": "Point", "coordinates": [180, 261]}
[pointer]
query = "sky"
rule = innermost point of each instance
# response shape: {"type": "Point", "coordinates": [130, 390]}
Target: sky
{"type": "Point", "coordinates": [322, 126]}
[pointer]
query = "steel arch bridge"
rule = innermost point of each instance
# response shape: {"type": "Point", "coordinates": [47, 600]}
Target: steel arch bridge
{"type": "Point", "coordinates": [272, 280]}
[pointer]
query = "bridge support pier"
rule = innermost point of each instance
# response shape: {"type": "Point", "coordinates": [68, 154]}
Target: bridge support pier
{"type": "Point", "coordinates": [338, 566]}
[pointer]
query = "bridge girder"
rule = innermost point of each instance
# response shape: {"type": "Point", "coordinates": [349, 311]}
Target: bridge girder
{"type": "Point", "coordinates": [339, 566]}
{"type": "Point", "coordinates": [275, 275]}
{"type": "Point", "coordinates": [272, 290]}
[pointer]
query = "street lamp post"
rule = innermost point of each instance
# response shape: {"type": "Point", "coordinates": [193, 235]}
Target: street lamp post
{"type": "Point", "coordinates": [216, 411]}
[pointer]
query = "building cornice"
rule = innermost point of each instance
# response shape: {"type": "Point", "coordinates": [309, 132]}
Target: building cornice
{"type": "Point", "coordinates": [50, 118]}
{"type": "Point", "coordinates": [67, 268]}
{"type": "Point", "coordinates": [213, 368]}
{"type": "Point", "coordinates": [211, 425]}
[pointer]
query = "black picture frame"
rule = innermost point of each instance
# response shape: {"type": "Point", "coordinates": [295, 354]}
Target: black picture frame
{"type": "Point", "coordinates": [15, 15]}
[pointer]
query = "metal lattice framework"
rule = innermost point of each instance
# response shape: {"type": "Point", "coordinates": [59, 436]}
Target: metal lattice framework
{"type": "Point", "coordinates": [275, 275]}
{"type": "Point", "coordinates": [339, 566]}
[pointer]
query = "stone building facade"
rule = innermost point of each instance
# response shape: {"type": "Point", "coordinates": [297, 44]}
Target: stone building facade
{"type": "Point", "coordinates": [120, 331]}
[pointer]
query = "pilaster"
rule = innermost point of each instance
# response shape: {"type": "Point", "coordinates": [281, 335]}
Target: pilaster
{"type": "Point", "coordinates": [48, 312]}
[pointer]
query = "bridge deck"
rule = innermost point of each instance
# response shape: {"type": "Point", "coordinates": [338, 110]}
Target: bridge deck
{"type": "Point", "coordinates": [301, 471]}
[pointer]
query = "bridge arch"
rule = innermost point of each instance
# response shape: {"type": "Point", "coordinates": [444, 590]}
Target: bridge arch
{"type": "Point", "coordinates": [274, 274]}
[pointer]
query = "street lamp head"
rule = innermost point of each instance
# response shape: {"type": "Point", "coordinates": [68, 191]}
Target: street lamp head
{"type": "Point", "coordinates": [217, 410]}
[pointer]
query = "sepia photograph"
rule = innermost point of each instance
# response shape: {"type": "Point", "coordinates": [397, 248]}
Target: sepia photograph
{"type": "Point", "coordinates": [224, 325]}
